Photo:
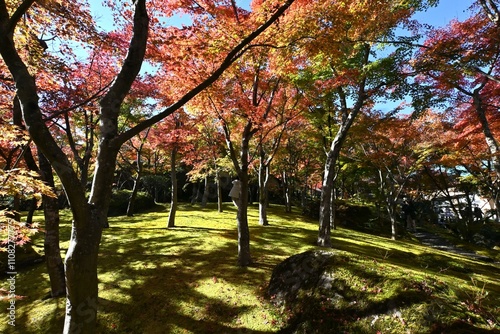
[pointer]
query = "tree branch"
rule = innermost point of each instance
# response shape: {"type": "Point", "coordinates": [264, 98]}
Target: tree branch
{"type": "Point", "coordinates": [231, 57]}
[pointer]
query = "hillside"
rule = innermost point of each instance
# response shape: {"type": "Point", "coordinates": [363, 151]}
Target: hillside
{"type": "Point", "coordinates": [185, 280]}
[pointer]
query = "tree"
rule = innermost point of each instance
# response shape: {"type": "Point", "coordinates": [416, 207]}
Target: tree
{"type": "Point", "coordinates": [337, 48]}
{"type": "Point", "coordinates": [459, 65]}
{"type": "Point", "coordinates": [249, 101]}
{"type": "Point", "coordinates": [89, 217]}
{"type": "Point", "coordinates": [392, 151]}
{"type": "Point", "coordinates": [300, 159]}
{"type": "Point", "coordinates": [170, 136]}
{"type": "Point", "coordinates": [282, 109]}
{"type": "Point", "coordinates": [207, 157]}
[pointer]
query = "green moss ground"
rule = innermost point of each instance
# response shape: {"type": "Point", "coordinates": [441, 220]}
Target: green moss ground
{"type": "Point", "coordinates": [185, 279]}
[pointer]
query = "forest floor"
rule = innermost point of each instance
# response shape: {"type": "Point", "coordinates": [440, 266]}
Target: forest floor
{"type": "Point", "coordinates": [185, 279]}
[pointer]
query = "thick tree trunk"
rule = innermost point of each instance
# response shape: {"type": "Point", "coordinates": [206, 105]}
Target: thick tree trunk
{"type": "Point", "coordinates": [244, 258]}
{"type": "Point", "coordinates": [173, 177]}
{"type": "Point", "coordinates": [55, 265]}
{"type": "Point", "coordinates": [81, 272]}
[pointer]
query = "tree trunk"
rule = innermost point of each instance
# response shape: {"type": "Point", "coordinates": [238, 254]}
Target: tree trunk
{"type": "Point", "coordinates": [241, 166]}
{"type": "Point", "coordinates": [206, 192]}
{"type": "Point", "coordinates": [81, 272]}
{"type": "Point", "coordinates": [325, 204]}
{"type": "Point", "coordinates": [348, 117]}
{"type": "Point", "coordinates": [244, 258]}
{"type": "Point", "coordinates": [196, 193]}
{"type": "Point", "coordinates": [31, 212]}
{"type": "Point", "coordinates": [392, 216]}
{"type": "Point", "coordinates": [263, 193]}
{"type": "Point", "coordinates": [219, 191]}
{"type": "Point", "coordinates": [133, 196]}
{"type": "Point", "coordinates": [332, 209]}
{"type": "Point", "coordinates": [55, 265]}
{"type": "Point", "coordinates": [173, 177]}
{"type": "Point", "coordinates": [286, 193]}
{"type": "Point", "coordinates": [135, 189]}
{"type": "Point", "coordinates": [492, 145]}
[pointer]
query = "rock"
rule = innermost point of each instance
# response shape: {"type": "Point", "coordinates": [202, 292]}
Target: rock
{"type": "Point", "coordinates": [300, 272]}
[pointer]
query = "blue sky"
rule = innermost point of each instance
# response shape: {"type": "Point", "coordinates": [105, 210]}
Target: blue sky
{"type": "Point", "coordinates": [445, 12]}
{"type": "Point", "coordinates": [438, 16]}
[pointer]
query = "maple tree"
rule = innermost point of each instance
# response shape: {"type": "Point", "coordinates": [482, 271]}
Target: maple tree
{"type": "Point", "coordinates": [282, 110]}
{"type": "Point", "coordinates": [325, 48]}
{"type": "Point", "coordinates": [22, 184]}
{"type": "Point", "coordinates": [206, 156]}
{"type": "Point", "coordinates": [89, 216]}
{"type": "Point", "coordinates": [170, 137]}
{"type": "Point", "coordinates": [465, 160]}
{"type": "Point", "coordinates": [394, 152]}
{"type": "Point", "coordinates": [298, 161]}
{"type": "Point", "coordinates": [458, 65]}
{"type": "Point", "coordinates": [17, 182]}
{"type": "Point", "coordinates": [343, 72]}
{"type": "Point", "coordinates": [18, 146]}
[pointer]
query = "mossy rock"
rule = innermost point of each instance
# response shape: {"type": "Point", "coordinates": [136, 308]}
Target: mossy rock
{"type": "Point", "coordinates": [326, 291]}
{"type": "Point", "coordinates": [299, 273]}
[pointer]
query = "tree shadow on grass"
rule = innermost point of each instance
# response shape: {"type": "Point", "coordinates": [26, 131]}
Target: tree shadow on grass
{"type": "Point", "coordinates": [165, 287]}
{"type": "Point", "coordinates": [158, 280]}
{"type": "Point", "coordinates": [166, 275]}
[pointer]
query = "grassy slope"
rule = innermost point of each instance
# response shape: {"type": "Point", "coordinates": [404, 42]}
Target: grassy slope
{"type": "Point", "coordinates": [185, 280]}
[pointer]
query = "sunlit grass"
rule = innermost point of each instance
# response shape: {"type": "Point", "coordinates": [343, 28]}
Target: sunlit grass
{"type": "Point", "coordinates": [186, 279]}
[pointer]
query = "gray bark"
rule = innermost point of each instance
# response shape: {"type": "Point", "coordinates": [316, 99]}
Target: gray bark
{"type": "Point", "coordinates": [244, 257]}
{"type": "Point", "coordinates": [206, 191]}
{"type": "Point", "coordinates": [55, 265]}
{"type": "Point", "coordinates": [286, 193]}
{"type": "Point", "coordinates": [241, 166]}
{"type": "Point", "coordinates": [137, 179]}
{"type": "Point", "coordinates": [263, 193]}
{"type": "Point", "coordinates": [219, 191]}
{"type": "Point", "coordinates": [173, 178]}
